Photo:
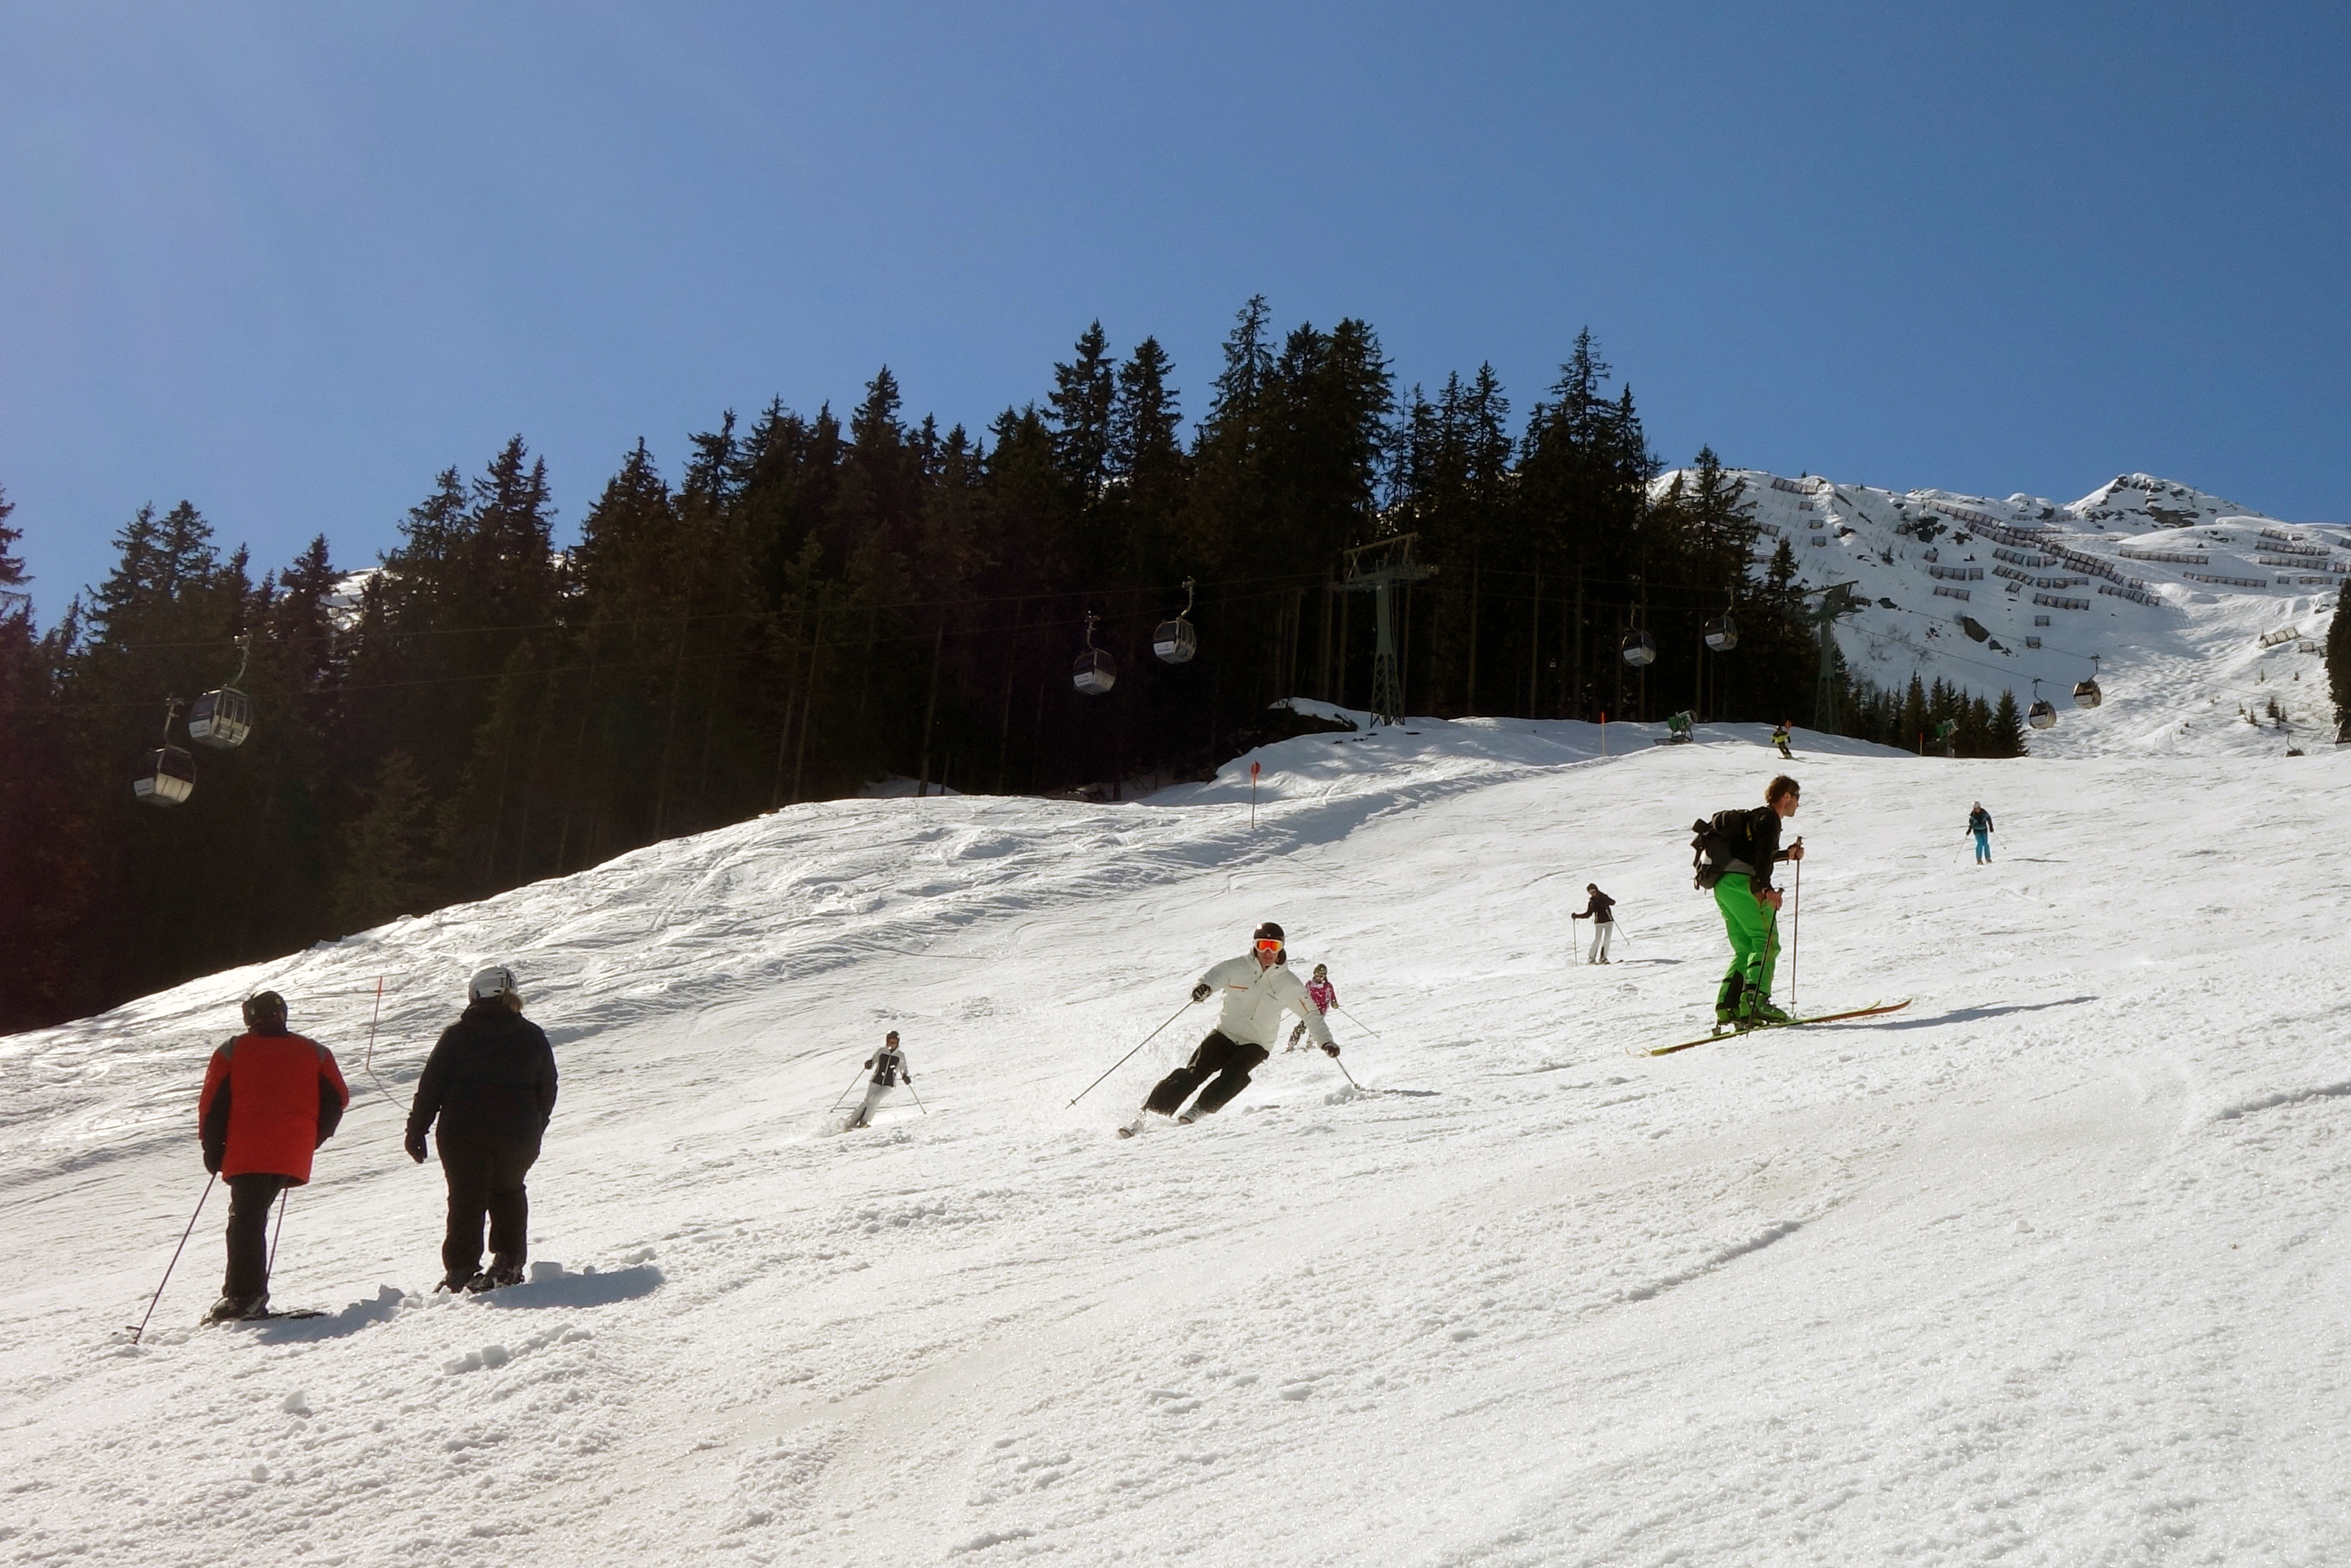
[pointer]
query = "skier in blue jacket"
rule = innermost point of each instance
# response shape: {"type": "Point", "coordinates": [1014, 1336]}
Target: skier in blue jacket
{"type": "Point", "coordinates": [1979, 824]}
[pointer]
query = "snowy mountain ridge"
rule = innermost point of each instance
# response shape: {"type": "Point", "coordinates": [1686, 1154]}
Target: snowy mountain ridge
{"type": "Point", "coordinates": [2194, 614]}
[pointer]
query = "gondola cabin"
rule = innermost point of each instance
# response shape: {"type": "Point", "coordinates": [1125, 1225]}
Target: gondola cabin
{"type": "Point", "coordinates": [221, 719]}
{"type": "Point", "coordinates": [1093, 672]}
{"type": "Point", "coordinates": [168, 779]}
{"type": "Point", "coordinates": [2042, 714]}
{"type": "Point", "coordinates": [1175, 641]}
{"type": "Point", "coordinates": [1722, 634]}
{"type": "Point", "coordinates": [2088, 695]}
{"type": "Point", "coordinates": [1639, 649]}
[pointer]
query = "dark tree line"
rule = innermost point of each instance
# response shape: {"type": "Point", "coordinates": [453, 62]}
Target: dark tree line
{"type": "Point", "coordinates": [806, 605]}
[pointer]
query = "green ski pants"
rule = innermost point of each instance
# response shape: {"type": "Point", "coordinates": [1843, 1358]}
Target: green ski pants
{"type": "Point", "coordinates": [1754, 930]}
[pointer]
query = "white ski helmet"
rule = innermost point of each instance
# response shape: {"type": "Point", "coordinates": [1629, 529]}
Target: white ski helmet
{"type": "Point", "coordinates": [498, 981]}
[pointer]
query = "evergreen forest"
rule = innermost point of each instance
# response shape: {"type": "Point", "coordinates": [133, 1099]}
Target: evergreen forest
{"type": "Point", "coordinates": [796, 606]}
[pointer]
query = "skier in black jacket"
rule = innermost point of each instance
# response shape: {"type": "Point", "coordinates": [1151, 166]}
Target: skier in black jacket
{"type": "Point", "coordinates": [1603, 922]}
{"type": "Point", "coordinates": [490, 1082]}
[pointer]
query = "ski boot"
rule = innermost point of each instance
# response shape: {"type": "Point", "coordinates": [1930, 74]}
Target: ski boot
{"type": "Point", "coordinates": [1759, 1011]}
{"type": "Point", "coordinates": [502, 1272]}
{"type": "Point", "coordinates": [232, 1309]}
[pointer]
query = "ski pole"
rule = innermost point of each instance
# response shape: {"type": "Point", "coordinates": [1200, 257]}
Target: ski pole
{"type": "Point", "coordinates": [1795, 935]}
{"type": "Point", "coordinates": [369, 1061]}
{"type": "Point", "coordinates": [276, 1236]}
{"type": "Point", "coordinates": [1122, 1061]}
{"type": "Point", "coordinates": [1343, 1068]}
{"type": "Point", "coordinates": [846, 1092]}
{"type": "Point", "coordinates": [918, 1099]}
{"type": "Point", "coordinates": [174, 1263]}
{"type": "Point", "coordinates": [1356, 1021]}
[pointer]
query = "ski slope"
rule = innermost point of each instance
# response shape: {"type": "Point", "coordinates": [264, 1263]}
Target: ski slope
{"type": "Point", "coordinates": [2049, 1269]}
{"type": "Point", "coordinates": [2194, 614]}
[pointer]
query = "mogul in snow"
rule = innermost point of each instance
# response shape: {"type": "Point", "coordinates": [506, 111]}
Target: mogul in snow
{"type": "Point", "coordinates": [1738, 851]}
{"type": "Point", "coordinates": [888, 1063]}
{"type": "Point", "coordinates": [1257, 988]}
{"type": "Point", "coordinates": [490, 1084]}
{"type": "Point", "coordinates": [270, 1099]}
{"type": "Point", "coordinates": [1979, 824]}
{"type": "Point", "coordinates": [1322, 994]}
{"type": "Point", "coordinates": [1603, 922]}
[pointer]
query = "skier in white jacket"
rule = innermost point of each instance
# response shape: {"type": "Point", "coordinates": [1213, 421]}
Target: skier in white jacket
{"type": "Point", "coordinates": [1258, 989]}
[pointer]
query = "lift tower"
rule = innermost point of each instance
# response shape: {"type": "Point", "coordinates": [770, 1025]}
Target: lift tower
{"type": "Point", "coordinates": [1375, 570]}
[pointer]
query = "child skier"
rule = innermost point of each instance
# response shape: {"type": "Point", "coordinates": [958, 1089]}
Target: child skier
{"type": "Point", "coordinates": [1322, 994]}
{"type": "Point", "coordinates": [1979, 824]}
{"type": "Point", "coordinates": [1779, 739]}
{"type": "Point", "coordinates": [887, 1063]}
{"type": "Point", "coordinates": [1603, 922]}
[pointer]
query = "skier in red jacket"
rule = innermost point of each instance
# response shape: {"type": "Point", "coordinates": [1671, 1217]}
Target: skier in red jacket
{"type": "Point", "coordinates": [270, 1099]}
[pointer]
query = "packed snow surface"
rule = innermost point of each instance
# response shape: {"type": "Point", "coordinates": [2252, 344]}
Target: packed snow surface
{"type": "Point", "coordinates": [2200, 622]}
{"type": "Point", "coordinates": [2049, 1269]}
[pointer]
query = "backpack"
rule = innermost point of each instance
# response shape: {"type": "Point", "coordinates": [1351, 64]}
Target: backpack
{"type": "Point", "coordinates": [1715, 841]}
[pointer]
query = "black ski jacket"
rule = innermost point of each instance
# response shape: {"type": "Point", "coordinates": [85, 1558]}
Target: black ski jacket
{"type": "Point", "coordinates": [491, 1080]}
{"type": "Point", "coordinates": [1597, 910]}
{"type": "Point", "coordinates": [1763, 851]}
{"type": "Point", "coordinates": [887, 1064]}
{"type": "Point", "coordinates": [1980, 821]}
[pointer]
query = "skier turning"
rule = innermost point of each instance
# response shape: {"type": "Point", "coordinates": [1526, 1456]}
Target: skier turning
{"type": "Point", "coordinates": [270, 1099]}
{"type": "Point", "coordinates": [1257, 988]}
{"type": "Point", "coordinates": [1604, 922]}
{"type": "Point", "coordinates": [1979, 824]}
{"type": "Point", "coordinates": [887, 1063]}
{"type": "Point", "coordinates": [1322, 994]}
{"type": "Point", "coordinates": [1750, 848]}
{"type": "Point", "coordinates": [1779, 738]}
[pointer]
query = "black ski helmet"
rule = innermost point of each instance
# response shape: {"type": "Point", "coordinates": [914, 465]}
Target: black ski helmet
{"type": "Point", "coordinates": [1270, 932]}
{"type": "Point", "coordinates": [265, 1009]}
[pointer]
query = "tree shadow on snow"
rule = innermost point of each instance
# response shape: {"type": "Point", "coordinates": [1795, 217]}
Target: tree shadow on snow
{"type": "Point", "coordinates": [1972, 1014]}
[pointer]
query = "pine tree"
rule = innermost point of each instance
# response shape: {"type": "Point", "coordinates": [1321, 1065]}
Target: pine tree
{"type": "Point", "coordinates": [1082, 397]}
{"type": "Point", "coordinates": [2008, 728]}
{"type": "Point", "coordinates": [387, 867]}
{"type": "Point", "coordinates": [2338, 656]}
{"type": "Point", "coordinates": [44, 833]}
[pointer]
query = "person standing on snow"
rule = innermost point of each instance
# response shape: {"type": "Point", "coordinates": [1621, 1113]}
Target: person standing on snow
{"type": "Point", "coordinates": [1979, 824]}
{"type": "Point", "coordinates": [270, 1099]}
{"type": "Point", "coordinates": [490, 1082]}
{"type": "Point", "coordinates": [1322, 994]}
{"type": "Point", "coordinates": [1604, 922]}
{"type": "Point", "coordinates": [887, 1063]}
{"type": "Point", "coordinates": [1257, 987]}
{"type": "Point", "coordinates": [1750, 905]}
{"type": "Point", "coordinates": [1779, 738]}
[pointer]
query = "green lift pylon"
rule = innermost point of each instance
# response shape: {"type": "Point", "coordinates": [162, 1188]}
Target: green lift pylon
{"type": "Point", "coordinates": [1375, 570]}
{"type": "Point", "coordinates": [1834, 603]}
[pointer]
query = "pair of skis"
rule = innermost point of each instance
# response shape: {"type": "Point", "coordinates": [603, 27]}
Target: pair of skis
{"type": "Point", "coordinates": [1724, 1030]}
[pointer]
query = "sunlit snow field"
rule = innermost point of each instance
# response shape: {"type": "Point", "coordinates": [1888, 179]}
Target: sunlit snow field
{"type": "Point", "coordinates": [2047, 1270]}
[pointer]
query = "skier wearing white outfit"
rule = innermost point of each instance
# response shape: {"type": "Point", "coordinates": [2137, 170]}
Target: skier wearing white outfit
{"type": "Point", "coordinates": [1257, 990]}
{"type": "Point", "coordinates": [887, 1063]}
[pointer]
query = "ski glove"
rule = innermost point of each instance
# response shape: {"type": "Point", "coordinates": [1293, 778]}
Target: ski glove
{"type": "Point", "coordinates": [1200, 992]}
{"type": "Point", "coordinates": [414, 1144]}
{"type": "Point", "coordinates": [1332, 1049]}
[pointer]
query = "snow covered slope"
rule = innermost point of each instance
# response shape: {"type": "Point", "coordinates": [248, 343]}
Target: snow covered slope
{"type": "Point", "coordinates": [2048, 1270]}
{"type": "Point", "coordinates": [2200, 613]}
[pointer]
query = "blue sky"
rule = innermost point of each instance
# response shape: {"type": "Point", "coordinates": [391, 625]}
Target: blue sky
{"type": "Point", "coordinates": [289, 261]}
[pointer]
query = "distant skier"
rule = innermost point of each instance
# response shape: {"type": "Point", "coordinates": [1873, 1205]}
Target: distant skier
{"type": "Point", "coordinates": [1979, 824]}
{"type": "Point", "coordinates": [1322, 994]}
{"type": "Point", "coordinates": [490, 1082]}
{"type": "Point", "coordinates": [887, 1063]}
{"type": "Point", "coordinates": [1257, 988]}
{"type": "Point", "coordinates": [270, 1099]}
{"type": "Point", "coordinates": [1740, 848]}
{"type": "Point", "coordinates": [1779, 738]}
{"type": "Point", "coordinates": [1603, 922]}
